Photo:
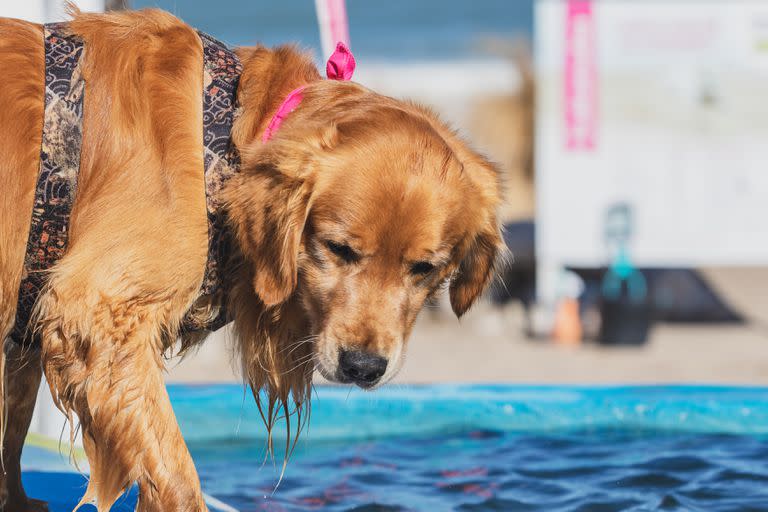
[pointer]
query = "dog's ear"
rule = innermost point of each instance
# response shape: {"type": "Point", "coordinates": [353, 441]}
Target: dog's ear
{"type": "Point", "coordinates": [267, 209]}
{"type": "Point", "coordinates": [484, 244]}
{"type": "Point", "coordinates": [475, 270]}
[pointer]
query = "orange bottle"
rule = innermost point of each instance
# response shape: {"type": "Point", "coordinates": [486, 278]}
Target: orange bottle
{"type": "Point", "coordinates": [567, 329]}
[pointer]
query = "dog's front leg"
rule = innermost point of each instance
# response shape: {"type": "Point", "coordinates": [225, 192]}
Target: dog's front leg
{"type": "Point", "coordinates": [112, 379]}
{"type": "Point", "coordinates": [22, 379]}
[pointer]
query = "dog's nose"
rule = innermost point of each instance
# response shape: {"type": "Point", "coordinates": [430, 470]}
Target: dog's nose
{"type": "Point", "coordinates": [362, 368]}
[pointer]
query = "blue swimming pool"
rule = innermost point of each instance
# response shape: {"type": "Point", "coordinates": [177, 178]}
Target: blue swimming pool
{"type": "Point", "coordinates": [490, 448]}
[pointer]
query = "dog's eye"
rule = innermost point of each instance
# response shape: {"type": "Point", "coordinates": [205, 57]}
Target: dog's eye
{"type": "Point", "coordinates": [343, 251]}
{"type": "Point", "coordinates": [422, 268]}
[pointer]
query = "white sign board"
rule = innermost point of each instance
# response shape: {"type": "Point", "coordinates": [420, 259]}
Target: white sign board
{"type": "Point", "coordinates": [662, 104]}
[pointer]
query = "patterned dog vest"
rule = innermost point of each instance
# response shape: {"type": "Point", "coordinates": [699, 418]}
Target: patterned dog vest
{"type": "Point", "coordinates": [56, 188]}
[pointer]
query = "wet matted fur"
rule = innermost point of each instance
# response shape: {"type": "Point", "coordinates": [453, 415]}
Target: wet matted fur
{"type": "Point", "coordinates": [355, 213]}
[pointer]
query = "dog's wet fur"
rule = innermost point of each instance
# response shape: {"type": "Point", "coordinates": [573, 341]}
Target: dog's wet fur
{"type": "Point", "coordinates": [359, 209]}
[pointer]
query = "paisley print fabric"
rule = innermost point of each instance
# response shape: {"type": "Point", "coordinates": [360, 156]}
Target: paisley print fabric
{"type": "Point", "coordinates": [221, 74]}
{"type": "Point", "coordinates": [59, 166]}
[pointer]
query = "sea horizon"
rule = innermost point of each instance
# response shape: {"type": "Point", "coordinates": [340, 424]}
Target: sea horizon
{"type": "Point", "coordinates": [382, 31]}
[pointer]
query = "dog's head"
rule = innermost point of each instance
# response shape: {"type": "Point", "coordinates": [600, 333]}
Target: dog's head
{"type": "Point", "coordinates": [357, 211]}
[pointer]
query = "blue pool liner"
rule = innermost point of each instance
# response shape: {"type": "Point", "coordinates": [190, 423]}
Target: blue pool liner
{"type": "Point", "coordinates": [63, 489]}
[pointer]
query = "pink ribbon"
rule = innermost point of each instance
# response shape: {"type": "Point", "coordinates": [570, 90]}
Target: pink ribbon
{"type": "Point", "coordinates": [340, 66]}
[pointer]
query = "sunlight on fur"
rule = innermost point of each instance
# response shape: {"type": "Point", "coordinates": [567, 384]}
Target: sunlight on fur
{"type": "Point", "coordinates": [359, 210]}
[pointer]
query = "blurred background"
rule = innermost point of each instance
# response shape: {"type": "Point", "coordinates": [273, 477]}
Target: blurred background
{"type": "Point", "coordinates": [631, 138]}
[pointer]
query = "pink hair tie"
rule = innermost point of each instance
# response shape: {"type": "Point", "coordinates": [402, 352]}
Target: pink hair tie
{"type": "Point", "coordinates": [340, 66]}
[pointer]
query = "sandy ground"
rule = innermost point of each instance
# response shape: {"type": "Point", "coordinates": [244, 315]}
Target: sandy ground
{"type": "Point", "coordinates": [488, 346]}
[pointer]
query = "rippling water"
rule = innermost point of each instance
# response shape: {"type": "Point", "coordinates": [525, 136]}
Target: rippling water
{"type": "Point", "coordinates": [492, 448]}
{"type": "Point", "coordinates": [435, 448]}
{"type": "Point", "coordinates": [484, 470]}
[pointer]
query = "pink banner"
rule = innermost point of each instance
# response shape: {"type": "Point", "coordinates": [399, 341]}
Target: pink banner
{"type": "Point", "coordinates": [580, 81]}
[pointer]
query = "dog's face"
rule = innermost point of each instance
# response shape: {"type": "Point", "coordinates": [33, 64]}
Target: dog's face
{"type": "Point", "coordinates": [367, 216]}
{"type": "Point", "coordinates": [379, 239]}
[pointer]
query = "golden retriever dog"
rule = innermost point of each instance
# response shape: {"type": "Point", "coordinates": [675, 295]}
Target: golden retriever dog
{"type": "Point", "coordinates": [342, 225]}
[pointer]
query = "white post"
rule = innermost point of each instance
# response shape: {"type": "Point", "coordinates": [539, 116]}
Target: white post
{"type": "Point", "coordinates": [42, 11]}
{"type": "Point", "coordinates": [55, 9]}
{"type": "Point", "coordinates": [334, 28]}
{"type": "Point", "coordinates": [32, 10]}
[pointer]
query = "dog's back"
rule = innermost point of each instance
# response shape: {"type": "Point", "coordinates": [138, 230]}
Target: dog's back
{"type": "Point", "coordinates": [143, 77]}
{"type": "Point", "coordinates": [21, 122]}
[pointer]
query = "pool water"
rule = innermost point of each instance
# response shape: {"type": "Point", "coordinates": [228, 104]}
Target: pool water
{"type": "Point", "coordinates": [491, 448]}
{"type": "Point", "coordinates": [504, 448]}
{"type": "Point", "coordinates": [482, 470]}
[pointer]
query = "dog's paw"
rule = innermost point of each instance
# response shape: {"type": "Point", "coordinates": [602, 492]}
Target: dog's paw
{"type": "Point", "coordinates": [30, 506]}
{"type": "Point", "coordinates": [36, 506]}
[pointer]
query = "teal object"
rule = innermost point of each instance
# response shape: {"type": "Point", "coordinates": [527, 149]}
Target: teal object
{"type": "Point", "coordinates": [622, 274]}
